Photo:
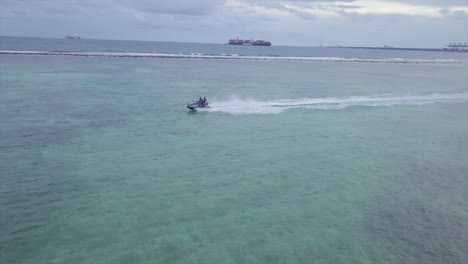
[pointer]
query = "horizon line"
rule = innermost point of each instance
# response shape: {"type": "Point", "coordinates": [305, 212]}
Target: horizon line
{"type": "Point", "coordinates": [225, 43]}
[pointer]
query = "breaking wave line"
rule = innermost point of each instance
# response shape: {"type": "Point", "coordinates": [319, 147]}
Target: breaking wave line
{"type": "Point", "coordinates": [226, 56]}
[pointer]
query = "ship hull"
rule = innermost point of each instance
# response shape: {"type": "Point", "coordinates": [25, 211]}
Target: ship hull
{"type": "Point", "coordinates": [242, 44]}
{"type": "Point", "coordinates": [266, 45]}
{"type": "Point", "coordinates": [249, 42]}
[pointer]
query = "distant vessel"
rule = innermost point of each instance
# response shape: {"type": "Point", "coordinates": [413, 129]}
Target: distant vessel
{"type": "Point", "coordinates": [460, 47]}
{"type": "Point", "coordinates": [249, 42]}
{"type": "Point", "coordinates": [72, 37]}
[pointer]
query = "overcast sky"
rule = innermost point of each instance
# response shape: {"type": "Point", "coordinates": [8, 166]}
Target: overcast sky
{"type": "Point", "coordinates": [401, 23]}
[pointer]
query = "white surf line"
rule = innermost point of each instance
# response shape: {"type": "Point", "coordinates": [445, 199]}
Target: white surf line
{"type": "Point", "coordinates": [227, 56]}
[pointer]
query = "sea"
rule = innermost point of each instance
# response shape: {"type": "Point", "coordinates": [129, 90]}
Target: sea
{"type": "Point", "coordinates": [307, 154]}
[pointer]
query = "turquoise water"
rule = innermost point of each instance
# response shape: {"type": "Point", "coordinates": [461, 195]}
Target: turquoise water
{"type": "Point", "coordinates": [297, 162]}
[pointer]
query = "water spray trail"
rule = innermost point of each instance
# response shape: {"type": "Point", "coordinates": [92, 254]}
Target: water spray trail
{"type": "Point", "coordinates": [249, 106]}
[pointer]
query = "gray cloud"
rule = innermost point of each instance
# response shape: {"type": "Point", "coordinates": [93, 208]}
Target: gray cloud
{"type": "Point", "coordinates": [299, 13]}
{"type": "Point", "coordinates": [184, 7]}
{"type": "Point", "coordinates": [276, 3]}
{"type": "Point", "coordinates": [346, 6]}
{"type": "Point", "coordinates": [198, 7]}
{"type": "Point", "coordinates": [195, 8]}
{"type": "Point", "coordinates": [435, 2]}
{"type": "Point", "coordinates": [453, 13]}
{"type": "Point", "coordinates": [300, 1]}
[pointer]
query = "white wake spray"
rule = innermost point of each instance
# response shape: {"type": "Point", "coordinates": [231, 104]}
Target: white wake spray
{"type": "Point", "coordinates": [250, 106]}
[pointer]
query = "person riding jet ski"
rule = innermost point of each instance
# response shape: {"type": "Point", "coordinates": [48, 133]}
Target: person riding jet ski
{"type": "Point", "coordinates": [201, 103]}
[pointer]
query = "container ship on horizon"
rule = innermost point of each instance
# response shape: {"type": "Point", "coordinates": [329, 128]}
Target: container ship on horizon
{"type": "Point", "coordinates": [249, 42]}
{"type": "Point", "coordinates": [72, 37]}
{"type": "Point", "coordinates": [460, 47]}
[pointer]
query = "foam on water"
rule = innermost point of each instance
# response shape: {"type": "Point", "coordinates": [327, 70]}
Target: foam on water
{"type": "Point", "coordinates": [238, 106]}
{"type": "Point", "coordinates": [225, 56]}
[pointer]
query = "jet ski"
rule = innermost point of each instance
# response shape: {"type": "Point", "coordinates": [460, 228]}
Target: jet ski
{"type": "Point", "coordinates": [197, 104]}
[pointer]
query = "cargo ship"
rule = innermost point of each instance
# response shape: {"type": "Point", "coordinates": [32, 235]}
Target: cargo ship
{"type": "Point", "coordinates": [72, 37]}
{"type": "Point", "coordinates": [249, 42]}
{"type": "Point", "coordinates": [460, 47]}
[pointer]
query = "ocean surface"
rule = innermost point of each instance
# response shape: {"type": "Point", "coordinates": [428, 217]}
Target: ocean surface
{"type": "Point", "coordinates": [308, 155]}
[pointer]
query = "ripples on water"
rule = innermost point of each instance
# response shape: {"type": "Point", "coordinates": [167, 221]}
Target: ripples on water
{"type": "Point", "coordinates": [101, 163]}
